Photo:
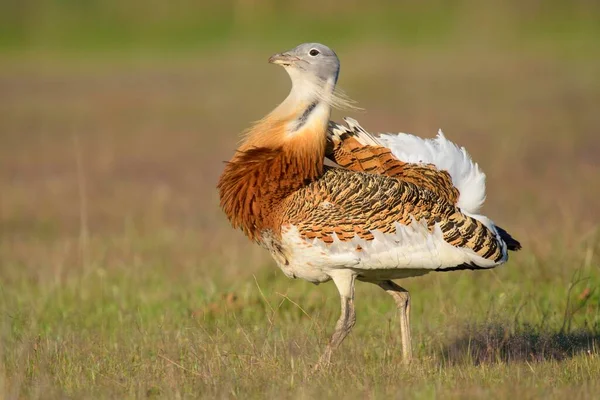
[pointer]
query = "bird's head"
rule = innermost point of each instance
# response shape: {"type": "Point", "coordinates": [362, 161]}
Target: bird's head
{"type": "Point", "coordinates": [309, 62]}
{"type": "Point", "coordinates": [313, 69]}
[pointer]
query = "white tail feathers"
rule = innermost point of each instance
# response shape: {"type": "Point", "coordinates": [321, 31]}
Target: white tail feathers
{"type": "Point", "coordinates": [466, 175]}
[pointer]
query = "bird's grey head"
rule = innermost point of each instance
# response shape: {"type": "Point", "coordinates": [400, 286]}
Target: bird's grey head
{"type": "Point", "coordinates": [309, 61]}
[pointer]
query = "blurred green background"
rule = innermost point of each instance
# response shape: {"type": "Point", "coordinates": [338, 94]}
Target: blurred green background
{"type": "Point", "coordinates": [87, 26]}
{"type": "Point", "coordinates": [121, 278]}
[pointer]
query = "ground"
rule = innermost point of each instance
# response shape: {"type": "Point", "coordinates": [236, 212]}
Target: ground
{"type": "Point", "coordinates": [121, 278]}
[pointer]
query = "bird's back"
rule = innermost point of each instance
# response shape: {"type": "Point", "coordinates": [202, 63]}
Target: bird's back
{"type": "Point", "coordinates": [376, 212]}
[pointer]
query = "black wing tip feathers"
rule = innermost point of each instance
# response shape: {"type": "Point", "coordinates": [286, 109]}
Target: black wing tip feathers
{"type": "Point", "coordinates": [461, 267]}
{"type": "Point", "coordinates": [511, 243]}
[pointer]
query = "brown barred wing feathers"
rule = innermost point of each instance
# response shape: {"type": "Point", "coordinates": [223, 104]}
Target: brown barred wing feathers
{"type": "Point", "coordinates": [348, 204]}
{"type": "Point", "coordinates": [355, 149]}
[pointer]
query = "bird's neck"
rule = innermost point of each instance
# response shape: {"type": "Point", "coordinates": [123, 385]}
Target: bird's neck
{"type": "Point", "coordinates": [307, 105]}
{"type": "Point", "coordinates": [281, 154]}
{"type": "Point", "coordinates": [298, 126]}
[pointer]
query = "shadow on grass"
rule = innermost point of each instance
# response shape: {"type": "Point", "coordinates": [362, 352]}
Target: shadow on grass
{"type": "Point", "coordinates": [498, 343]}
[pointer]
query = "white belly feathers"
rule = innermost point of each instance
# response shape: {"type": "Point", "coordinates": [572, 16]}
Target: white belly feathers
{"type": "Point", "coordinates": [413, 250]}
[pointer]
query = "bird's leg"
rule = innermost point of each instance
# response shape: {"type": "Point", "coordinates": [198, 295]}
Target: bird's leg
{"type": "Point", "coordinates": [344, 280]}
{"type": "Point", "coordinates": [402, 299]}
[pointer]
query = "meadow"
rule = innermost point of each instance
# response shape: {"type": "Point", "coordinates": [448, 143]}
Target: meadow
{"type": "Point", "coordinates": [121, 278]}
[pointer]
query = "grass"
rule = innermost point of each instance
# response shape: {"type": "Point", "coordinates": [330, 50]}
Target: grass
{"type": "Point", "coordinates": [120, 277]}
{"type": "Point", "coordinates": [143, 322]}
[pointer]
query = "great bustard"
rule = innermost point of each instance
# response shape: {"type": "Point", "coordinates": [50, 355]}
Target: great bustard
{"type": "Point", "coordinates": [386, 207]}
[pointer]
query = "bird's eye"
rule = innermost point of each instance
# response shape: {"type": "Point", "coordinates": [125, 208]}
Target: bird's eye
{"type": "Point", "coordinates": [313, 52]}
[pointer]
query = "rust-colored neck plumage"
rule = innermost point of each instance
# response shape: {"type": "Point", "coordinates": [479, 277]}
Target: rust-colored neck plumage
{"type": "Point", "coordinates": [271, 164]}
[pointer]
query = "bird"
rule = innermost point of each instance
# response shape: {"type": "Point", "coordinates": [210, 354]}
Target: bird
{"type": "Point", "coordinates": [335, 202]}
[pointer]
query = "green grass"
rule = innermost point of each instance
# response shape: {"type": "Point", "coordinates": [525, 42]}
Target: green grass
{"type": "Point", "coordinates": [131, 326]}
{"type": "Point", "coordinates": [121, 278]}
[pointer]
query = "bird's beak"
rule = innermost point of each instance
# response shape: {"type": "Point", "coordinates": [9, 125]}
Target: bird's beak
{"type": "Point", "coordinates": [284, 59]}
